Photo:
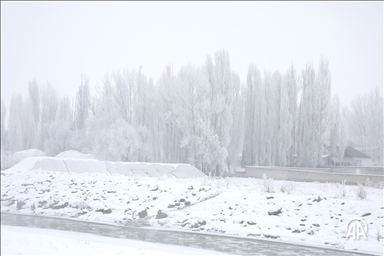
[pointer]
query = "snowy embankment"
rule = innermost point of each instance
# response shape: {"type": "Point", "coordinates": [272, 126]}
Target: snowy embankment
{"type": "Point", "coordinates": [33, 241]}
{"type": "Point", "coordinates": [299, 212]}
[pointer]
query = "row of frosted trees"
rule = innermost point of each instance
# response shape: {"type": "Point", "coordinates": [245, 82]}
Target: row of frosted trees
{"type": "Point", "coordinates": [201, 115]}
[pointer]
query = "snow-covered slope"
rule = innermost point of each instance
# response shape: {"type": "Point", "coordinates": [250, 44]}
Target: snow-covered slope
{"type": "Point", "coordinates": [309, 213]}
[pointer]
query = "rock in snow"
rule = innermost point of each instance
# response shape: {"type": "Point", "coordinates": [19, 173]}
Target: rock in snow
{"type": "Point", "coordinates": [161, 215]}
{"type": "Point", "coordinates": [275, 211]}
{"type": "Point", "coordinates": [143, 213]}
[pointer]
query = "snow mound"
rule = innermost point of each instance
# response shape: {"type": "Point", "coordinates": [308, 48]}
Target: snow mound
{"type": "Point", "coordinates": [26, 164]}
{"type": "Point", "coordinates": [75, 155]}
{"type": "Point", "coordinates": [21, 155]}
{"type": "Point", "coordinates": [6, 159]}
{"type": "Point", "coordinates": [71, 165]}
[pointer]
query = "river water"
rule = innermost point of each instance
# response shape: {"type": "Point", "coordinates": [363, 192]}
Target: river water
{"type": "Point", "coordinates": [230, 245]}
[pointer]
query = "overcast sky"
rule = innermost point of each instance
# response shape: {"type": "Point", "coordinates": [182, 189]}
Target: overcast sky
{"type": "Point", "coordinates": [57, 41]}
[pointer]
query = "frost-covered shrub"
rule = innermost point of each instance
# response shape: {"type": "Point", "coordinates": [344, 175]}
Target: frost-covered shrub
{"type": "Point", "coordinates": [222, 182]}
{"type": "Point", "coordinates": [361, 192]}
{"type": "Point", "coordinates": [206, 181]}
{"type": "Point", "coordinates": [268, 184]}
{"type": "Point", "coordinates": [379, 185]}
{"type": "Point", "coordinates": [288, 187]}
{"type": "Point", "coordinates": [378, 235]}
{"type": "Point", "coordinates": [219, 183]}
{"type": "Point", "coordinates": [369, 183]}
{"type": "Point", "coordinates": [342, 192]}
{"type": "Point", "coordinates": [227, 182]}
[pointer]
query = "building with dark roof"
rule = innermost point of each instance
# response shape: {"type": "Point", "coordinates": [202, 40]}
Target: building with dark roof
{"type": "Point", "coordinates": [353, 157]}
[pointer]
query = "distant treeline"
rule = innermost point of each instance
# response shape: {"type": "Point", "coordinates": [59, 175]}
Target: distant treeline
{"type": "Point", "coordinates": [204, 116]}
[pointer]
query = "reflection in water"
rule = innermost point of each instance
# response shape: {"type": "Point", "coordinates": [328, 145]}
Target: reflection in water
{"type": "Point", "coordinates": [231, 245]}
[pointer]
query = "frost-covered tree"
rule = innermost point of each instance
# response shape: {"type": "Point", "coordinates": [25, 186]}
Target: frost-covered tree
{"type": "Point", "coordinates": [155, 123]}
{"type": "Point", "coordinates": [34, 96]}
{"type": "Point", "coordinates": [291, 84]}
{"type": "Point", "coordinates": [168, 134]}
{"type": "Point", "coordinates": [144, 99]}
{"type": "Point", "coordinates": [253, 119]}
{"type": "Point", "coordinates": [285, 124]}
{"type": "Point", "coordinates": [122, 86]}
{"type": "Point", "coordinates": [314, 114]}
{"type": "Point", "coordinates": [60, 135]}
{"type": "Point", "coordinates": [221, 94]}
{"type": "Point", "coordinates": [49, 105]}
{"type": "Point", "coordinates": [119, 142]}
{"type": "Point", "coordinates": [322, 106]}
{"type": "Point", "coordinates": [235, 146]}
{"type": "Point", "coordinates": [3, 129]}
{"type": "Point", "coordinates": [29, 132]}
{"type": "Point", "coordinates": [108, 134]}
{"type": "Point", "coordinates": [144, 151]}
{"type": "Point", "coordinates": [221, 89]}
{"type": "Point", "coordinates": [34, 102]}
{"type": "Point", "coordinates": [339, 130]}
{"type": "Point", "coordinates": [187, 108]}
{"type": "Point", "coordinates": [64, 111]}
{"type": "Point", "coordinates": [366, 124]}
{"type": "Point", "coordinates": [15, 132]}
{"type": "Point", "coordinates": [272, 87]}
{"type": "Point", "coordinates": [82, 106]}
{"type": "Point", "coordinates": [306, 155]}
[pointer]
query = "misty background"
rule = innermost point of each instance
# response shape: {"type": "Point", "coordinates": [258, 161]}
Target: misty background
{"type": "Point", "coordinates": [218, 85]}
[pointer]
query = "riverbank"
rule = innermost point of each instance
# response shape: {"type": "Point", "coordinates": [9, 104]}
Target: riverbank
{"type": "Point", "coordinates": [302, 212]}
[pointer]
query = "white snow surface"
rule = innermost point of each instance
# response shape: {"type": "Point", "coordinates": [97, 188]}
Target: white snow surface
{"type": "Point", "coordinates": [75, 154]}
{"type": "Point", "coordinates": [311, 213]}
{"type": "Point", "coordinates": [34, 241]}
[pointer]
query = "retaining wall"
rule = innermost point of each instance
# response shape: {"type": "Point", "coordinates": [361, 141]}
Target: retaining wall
{"type": "Point", "coordinates": [320, 175]}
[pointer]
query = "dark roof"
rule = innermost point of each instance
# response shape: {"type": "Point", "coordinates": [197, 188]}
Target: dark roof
{"type": "Point", "coordinates": [351, 152]}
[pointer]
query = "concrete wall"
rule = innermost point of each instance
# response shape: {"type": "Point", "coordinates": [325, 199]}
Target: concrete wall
{"type": "Point", "coordinates": [235, 174]}
{"type": "Point", "coordinates": [366, 161]}
{"type": "Point", "coordinates": [375, 170]}
{"type": "Point", "coordinates": [320, 175]}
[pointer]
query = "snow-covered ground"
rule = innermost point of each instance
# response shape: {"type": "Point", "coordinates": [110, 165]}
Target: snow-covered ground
{"type": "Point", "coordinates": [299, 212]}
{"type": "Point", "coordinates": [34, 241]}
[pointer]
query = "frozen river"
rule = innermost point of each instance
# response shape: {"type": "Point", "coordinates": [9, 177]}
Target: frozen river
{"type": "Point", "coordinates": [230, 245]}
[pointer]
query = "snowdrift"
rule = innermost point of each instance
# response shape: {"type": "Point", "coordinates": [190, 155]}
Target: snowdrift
{"type": "Point", "coordinates": [23, 154]}
{"type": "Point", "coordinates": [75, 154]}
{"type": "Point", "coordinates": [95, 166]}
